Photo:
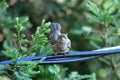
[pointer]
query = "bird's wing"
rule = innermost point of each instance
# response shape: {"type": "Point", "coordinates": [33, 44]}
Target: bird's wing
{"type": "Point", "coordinates": [53, 38]}
{"type": "Point", "coordinates": [69, 43]}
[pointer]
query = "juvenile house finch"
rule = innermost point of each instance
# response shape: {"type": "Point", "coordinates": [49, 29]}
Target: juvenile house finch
{"type": "Point", "coordinates": [60, 43]}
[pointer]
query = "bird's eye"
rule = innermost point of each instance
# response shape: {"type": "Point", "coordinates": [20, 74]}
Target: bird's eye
{"type": "Point", "coordinates": [64, 37]}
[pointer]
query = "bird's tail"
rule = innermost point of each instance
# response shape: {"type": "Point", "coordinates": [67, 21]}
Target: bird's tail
{"type": "Point", "coordinates": [55, 27]}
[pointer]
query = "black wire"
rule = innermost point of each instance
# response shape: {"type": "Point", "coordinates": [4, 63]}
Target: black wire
{"type": "Point", "coordinates": [69, 57]}
{"type": "Point", "coordinates": [67, 60]}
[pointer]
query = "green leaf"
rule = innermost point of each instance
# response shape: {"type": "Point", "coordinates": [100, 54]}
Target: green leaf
{"type": "Point", "coordinates": [4, 4]}
{"type": "Point", "coordinates": [43, 21]}
{"type": "Point", "coordinates": [24, 49]}
{"type": "Point", "coordinates": [52, 69]}
{"type": "Point", "coordinates": [16, 20]}
{"type": "Point", "coordinates": [93, 8]}
{"type": "Point", "coordinates": [47, 24]}
{"type": "Point", "coordinates": [24, 19]}
{"type": "Point", "coordinates": [87, 28]}
{"type": "Point", "coordinates": [95, 45]}
{"type": "Point", "coordinates": [19, 27]}
{"type": "Point", "coordinates": [23, 36]}
{"type": "Point", "coordinates": [74, 75]}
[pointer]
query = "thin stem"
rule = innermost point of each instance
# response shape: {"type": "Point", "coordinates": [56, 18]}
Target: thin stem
{"type": "Point", "coordinates": [19, 42]}
{"type": "Point", "coordinates": [9, 75]}
{"type": "Point", "coordinates": [113, 64]}
{"type": "Point", "coordinates": [114, 67]}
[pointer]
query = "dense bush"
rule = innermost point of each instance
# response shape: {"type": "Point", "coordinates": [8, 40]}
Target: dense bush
{"type": "Point", "coordinates": [90, 25]}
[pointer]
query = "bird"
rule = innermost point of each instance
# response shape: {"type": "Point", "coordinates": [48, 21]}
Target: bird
{"type": "Point", "coordinates": [60, 43]}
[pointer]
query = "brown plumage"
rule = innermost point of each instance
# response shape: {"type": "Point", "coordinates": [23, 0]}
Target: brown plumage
{"type": "Point", "coordinates": [60, 43]}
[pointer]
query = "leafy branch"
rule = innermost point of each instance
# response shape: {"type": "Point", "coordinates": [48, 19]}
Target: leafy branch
{"type": "Point", "coordinates": [105, 18]}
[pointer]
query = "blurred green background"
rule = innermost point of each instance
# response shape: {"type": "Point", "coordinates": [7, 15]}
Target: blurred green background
{"type": "Point", "coordinates": [90, 24]}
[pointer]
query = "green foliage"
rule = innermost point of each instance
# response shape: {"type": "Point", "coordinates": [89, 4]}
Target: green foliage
{"type": "Point", "coordinates": [106, 20]}
{"type": "Point", "coordinates": [16, 48]}
{"type": "Point", "coordinates": [57, 71]}
{"type": "Point", "coordinates": [101, 30]}
{"type": "Point", "coordinates": [105, 17]}
{"type": "Point", "coordinates": [76, 76]}
{"type": "Point", "coordinates": [39, 37]}
{"type": "Point", "coordinates": [26, 72]}
{"type": "Point", "coordinates": [90, 23]}
{"type": "Point", "coordinates": [38, 43]}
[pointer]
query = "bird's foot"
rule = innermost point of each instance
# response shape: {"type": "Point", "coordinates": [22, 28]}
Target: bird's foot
{"type": "Point", "coordinates": [65, 54]}
{"type": "Point", "coordinates": [55, 55]}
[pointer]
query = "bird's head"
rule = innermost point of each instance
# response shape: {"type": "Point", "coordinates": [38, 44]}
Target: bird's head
{"type": "Point", "coordinates": [55, 27]}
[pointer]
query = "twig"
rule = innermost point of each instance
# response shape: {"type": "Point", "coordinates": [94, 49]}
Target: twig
{"type": "Point", "coordinates": [114, 67]}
